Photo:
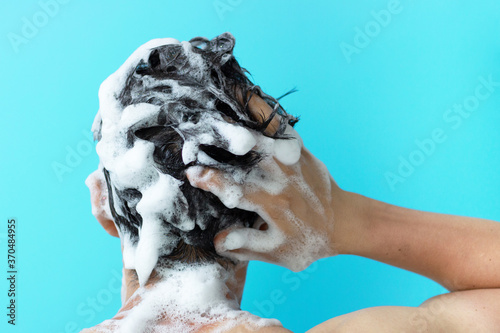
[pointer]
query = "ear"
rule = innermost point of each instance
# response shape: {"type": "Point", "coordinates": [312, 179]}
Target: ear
{"type": "Point", "coordinates": [100, 203]}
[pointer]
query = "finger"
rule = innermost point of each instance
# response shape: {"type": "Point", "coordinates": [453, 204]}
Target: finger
{"type": "Point", "coordinates": [260, 111]}
{"type": "Point", "coordinates": [100, 203]}
{"type": "Point", "coordinates": [94, 186]}
{"type": "Point", "coordinates": [207, 179]}
{"type": "Point", "coordinates": [248, 242]}
{"type": "Point", "coordinates": [220, 183]}
{"type": "Point", "coordinates": [242, 255]}
{"type": "Point", "coordinates": [232, 192]}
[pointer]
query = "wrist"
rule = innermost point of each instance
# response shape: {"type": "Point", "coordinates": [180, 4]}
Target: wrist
{"type": "Point", "coordinates": [350, 222]}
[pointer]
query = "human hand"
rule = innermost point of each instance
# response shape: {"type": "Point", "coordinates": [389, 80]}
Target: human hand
{"type": "Point", "coordinates": [100, 201]}
{"type": "Point", "coordinates": [294, 203]}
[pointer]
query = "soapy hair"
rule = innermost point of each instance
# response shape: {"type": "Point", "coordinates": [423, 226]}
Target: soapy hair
{"type": "Point", "coordinates": [225, 90]}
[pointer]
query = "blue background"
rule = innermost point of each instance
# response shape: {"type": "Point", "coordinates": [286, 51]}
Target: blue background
{"type": "Point", "coordinates": [359, 114]}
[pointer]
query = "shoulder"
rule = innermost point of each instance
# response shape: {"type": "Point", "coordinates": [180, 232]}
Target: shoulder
{"type": "Point", "coordinates": [470, 310]}
{"type": "Point", "coordinates": [465, 311]}
{"type": "Point", "coordinates": [376, 319]}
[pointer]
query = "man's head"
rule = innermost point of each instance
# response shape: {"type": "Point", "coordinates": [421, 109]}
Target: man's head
{"type": "Point", "coordinates": [171, 106]}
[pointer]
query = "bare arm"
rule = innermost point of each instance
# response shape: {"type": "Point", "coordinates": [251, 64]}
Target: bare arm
{"type": "Point", "coordinates": [461, 253]}
{"type": "Point", "coordinates": [458, 252]}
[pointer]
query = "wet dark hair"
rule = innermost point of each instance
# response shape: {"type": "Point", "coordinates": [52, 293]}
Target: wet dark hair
{"type": "Point", "coordinates": [225, 89]}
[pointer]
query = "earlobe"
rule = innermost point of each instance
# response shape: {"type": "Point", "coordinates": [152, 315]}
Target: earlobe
{"type": "Point", "coordinates": [100, 203]}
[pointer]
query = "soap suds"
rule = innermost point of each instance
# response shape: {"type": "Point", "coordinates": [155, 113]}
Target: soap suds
{"type": "Point", "coordinates": [269, 177]}
{"type": "Point", "coordinates": [196, 108]}
{"type": "Point", "coordinates": [287, 151]}
{"type": "Point", "coordinates": [187, 101]}
{"type": "Point", "coordinates": [97, 186]}
{"type": "Point", "coordinates": [186, 299]}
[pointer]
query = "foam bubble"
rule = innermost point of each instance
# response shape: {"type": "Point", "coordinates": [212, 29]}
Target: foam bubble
{"type": "Point", "coordinates": [134, 166]}
{"type": "Point", "coordinates": [187, 298]}
{"type": "Point", "coordinates": [269, 177]}
{"type": "Point", "coordinates": [97, 186]}
{"type": "Point", "coordinates": [128, 251]}
{"type": "Point", "coordinates": [234, 241]}
{"type": "Point", "coordinates": [240, 140]}
{"type": "Point", "coordinates": [192, 295]}
{"type": "Point", "coordinates": [287, 151]}
{"type": "Point", "coordinates": [129, 159]}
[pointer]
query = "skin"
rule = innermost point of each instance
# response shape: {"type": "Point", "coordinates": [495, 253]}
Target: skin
{"type": "Point", "coordinates": [460, 253]}
{"type": "Point", "coordinates": [235, 283]}
{"type": "Point", "coordinates": [429, 244]}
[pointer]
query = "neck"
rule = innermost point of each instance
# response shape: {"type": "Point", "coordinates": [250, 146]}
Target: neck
{"type": "Point", "coordinates": [181, 289]}
{"type": "Point", "coordinates": [231, 280]}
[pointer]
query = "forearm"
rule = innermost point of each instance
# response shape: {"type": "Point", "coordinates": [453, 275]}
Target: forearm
{"type": "Point", "coordinates": [457, 252]}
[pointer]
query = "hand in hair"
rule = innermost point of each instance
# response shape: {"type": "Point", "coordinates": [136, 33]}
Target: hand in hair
{"type": "Point", "coordinates": [296, 225]}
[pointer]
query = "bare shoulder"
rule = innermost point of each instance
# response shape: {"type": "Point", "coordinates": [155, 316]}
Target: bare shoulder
{"type": "Point", "coordinates": [464, 311]}
{"type": "Point", "coordinates": [477, 310]}
{"type": "Point", "coordinates": [377, 319]}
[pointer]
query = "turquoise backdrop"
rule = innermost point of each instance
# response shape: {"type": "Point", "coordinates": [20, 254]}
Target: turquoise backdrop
{"type": "Point", "coordinates": [400, 99]}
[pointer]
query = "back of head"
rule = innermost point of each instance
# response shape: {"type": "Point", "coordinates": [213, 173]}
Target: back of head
{"type": "Point", "coordinates": [170, 106]}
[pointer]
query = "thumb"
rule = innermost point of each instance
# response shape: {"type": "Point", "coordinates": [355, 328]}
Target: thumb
{"type": "Point", "coordinates": [247, 243]}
